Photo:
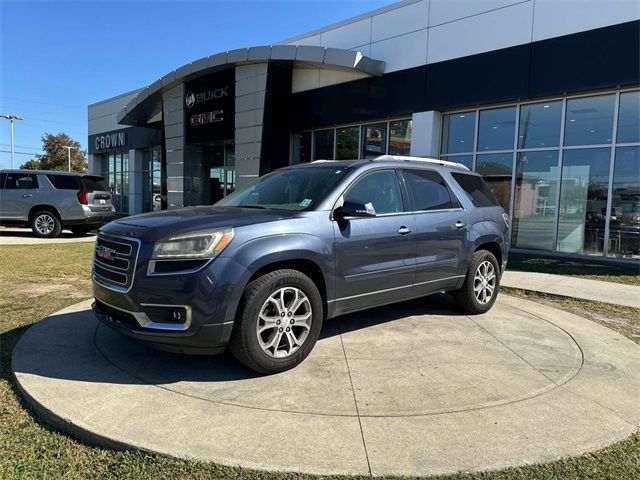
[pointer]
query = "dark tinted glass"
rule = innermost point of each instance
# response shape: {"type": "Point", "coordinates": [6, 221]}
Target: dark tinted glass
{"type": "Point", "coordinates": [540, 125]}
{"type": "Point", "coordinates": [381, 189]}
{"type": "Point", "coordinates": [2, 178]}
{"type": "Point", "coordinates": [496, 130]}
{"type": "Point", "coordinates": [64, 182]}
{"type": "Point", "coordinates": [95, 183]}
{"type": "Point", "coordinates": [323, 145]}
{"type": "Point", "coordinates": [629, 118]}
{"type": "Point", "coordinates": [347, 143]}
{"type": "Point", "coordinates": [458, 130]}
{"type": "Point", "coordinates": [291, 189]}
{"type": "Point", "coordinates": [428, 190]}
{"type": "Point", "coordinates": [477, 189]}
{"type": "Point", "coordinates": [589, 120]}
{"type": "Point", "coordinates": [20, 181]}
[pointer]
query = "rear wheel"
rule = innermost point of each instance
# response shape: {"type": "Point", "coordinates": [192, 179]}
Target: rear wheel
{"type": "Point", "coordinates": [278, 322]}
{"type": "Point", "coordinates": [45, 224]}
{"type": "Point", "coordinates": [480, 288]}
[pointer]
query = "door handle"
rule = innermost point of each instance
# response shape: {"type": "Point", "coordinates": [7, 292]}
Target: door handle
{"type": "Point", "coordinates": [27, 195]}
{"type": "Point", "coordinates": [459, 224]}
{"type": "Point", "coordinates": [404, 230]}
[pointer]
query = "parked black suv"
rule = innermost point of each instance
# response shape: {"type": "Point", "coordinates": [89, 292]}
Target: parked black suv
{"type": "Point", "coordinates": [260, 270]}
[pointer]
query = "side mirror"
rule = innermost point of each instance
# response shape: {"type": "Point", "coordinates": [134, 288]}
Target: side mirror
{"type": "Point", "coordinates": [354, 209]}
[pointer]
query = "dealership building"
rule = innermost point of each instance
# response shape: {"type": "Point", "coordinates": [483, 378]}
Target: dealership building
{"type": "Point", "coordinates": [541, 97]}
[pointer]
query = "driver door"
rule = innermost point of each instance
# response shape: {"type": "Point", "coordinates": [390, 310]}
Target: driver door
{"type": "Point", "coordinates": [375, 255]}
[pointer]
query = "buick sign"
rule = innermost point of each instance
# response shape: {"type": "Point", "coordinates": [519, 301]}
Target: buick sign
{"type": "Point", "coordinates": [192, 98]}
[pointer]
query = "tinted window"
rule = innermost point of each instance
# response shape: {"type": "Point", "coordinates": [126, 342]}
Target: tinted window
{"type": "Point", "coordinates": [289, 189]}
{"type": "Point", "coordinates": [478, 191]}
{"type": "Point", "coordinates": [428, 190]}
{"type": "Point", "coordinates": [20, 181]}
{"type": "Point", "coordinates": [381, 189]}
{"type": "Point", "coordinates": [64, 182]}
{"type": "Point", "coordinates": [95, 183]}
{"type": "Point", "coordinates": [2, 177]}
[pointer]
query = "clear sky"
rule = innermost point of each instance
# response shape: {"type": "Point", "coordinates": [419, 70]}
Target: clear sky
{"type": "Point", "coordinates": [58, 56]}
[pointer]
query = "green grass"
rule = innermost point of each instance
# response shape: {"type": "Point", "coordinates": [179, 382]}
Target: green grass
{"type": "Point", "coordinates": [593, 269]}
{"type": "Point", "coordinates": [30, 284]}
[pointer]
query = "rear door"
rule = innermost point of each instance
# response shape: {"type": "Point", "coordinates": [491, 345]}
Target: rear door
{"type": "Point", "coordinates": [441, 231]}
{"type": "Point", "coordinates": [18, 196]}
{"type": "Point", "coordinates": [375, 256]}
{"type": "Point", "coordinates": [99, 197]}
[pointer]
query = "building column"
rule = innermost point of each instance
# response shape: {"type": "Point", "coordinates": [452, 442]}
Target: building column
{"type": "Point", "coordinates": [251, 85]}
{"type": "Point", "coordinates": [426, 132]}
{"type": "Point", "coordinates": [136, 177]}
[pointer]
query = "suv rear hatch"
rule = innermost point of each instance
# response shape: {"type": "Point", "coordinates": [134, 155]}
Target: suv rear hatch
{"type": "Point", "coordinates": [95, 193]}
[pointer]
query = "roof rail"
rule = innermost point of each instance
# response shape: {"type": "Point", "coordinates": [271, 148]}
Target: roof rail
{"type": "Point", "coordinates": [323, 160]}
{"type": "Point", "coordinates": [390, 158]}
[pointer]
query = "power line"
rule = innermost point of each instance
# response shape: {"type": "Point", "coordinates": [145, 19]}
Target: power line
{"type": "Point", "coordinates": [19, 153]}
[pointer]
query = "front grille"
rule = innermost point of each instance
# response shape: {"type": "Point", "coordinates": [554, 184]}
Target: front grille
{"type": "Point", "coordinates": [114, 261]}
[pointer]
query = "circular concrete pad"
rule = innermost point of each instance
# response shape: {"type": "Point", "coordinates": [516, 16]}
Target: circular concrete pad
{"type": "Point", "coordinates": [410, 389]}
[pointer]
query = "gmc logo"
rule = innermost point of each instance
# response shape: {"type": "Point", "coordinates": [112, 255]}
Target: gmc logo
{"type": "Point", "coordinates": [205, 118]}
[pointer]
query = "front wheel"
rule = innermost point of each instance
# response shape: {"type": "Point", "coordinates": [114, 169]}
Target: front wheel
{"type": "Point", "coordinates": [278, 322]}
{"type": "Point", "coordinates": [480, 288]}
{"type": "Point", "coordinates": [45, 224]}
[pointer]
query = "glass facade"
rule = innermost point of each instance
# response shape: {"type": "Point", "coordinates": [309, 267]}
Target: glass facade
{"type": "Point", "coordinates": [353, 141]}
{"type": "Point", "coordinates": [117, 175]}
{"type": "Point", "coordinates": [567, 170]}
{"type": "Point", "coordinates": [152, 181]}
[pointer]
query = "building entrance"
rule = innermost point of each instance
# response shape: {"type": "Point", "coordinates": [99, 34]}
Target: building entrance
{"type": "Point", "coordinates": [220, 172]}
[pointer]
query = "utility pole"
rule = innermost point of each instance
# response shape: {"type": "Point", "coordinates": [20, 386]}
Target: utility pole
{"type": "Point", "coordinates": [11, 117]}
{"type": "Point", "coordinates": [69, 154]}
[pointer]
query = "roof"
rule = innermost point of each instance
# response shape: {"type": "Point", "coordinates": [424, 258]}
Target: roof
{"type": "Point", "coordinates": [149, 101]}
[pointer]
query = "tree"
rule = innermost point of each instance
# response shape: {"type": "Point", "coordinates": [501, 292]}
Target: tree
{"type": "Point", "coordinates": [55, 156]}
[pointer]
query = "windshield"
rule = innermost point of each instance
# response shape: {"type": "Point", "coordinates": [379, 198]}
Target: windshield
{"type": "Point", "coordinates": [291, 189]}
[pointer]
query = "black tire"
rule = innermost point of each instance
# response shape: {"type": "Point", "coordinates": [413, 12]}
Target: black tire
{"type": "Point", "coordinates": [466, 297]}
{"type": "Point", "coordinates": [45, 224]}
{"type": "Point", "coordinates": [244, 343]}
{"type": "Point", "coordinates": [80, 230]}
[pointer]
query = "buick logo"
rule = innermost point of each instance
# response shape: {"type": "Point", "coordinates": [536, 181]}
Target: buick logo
{"type": "Point", "coordinates": [190, 99]}
{"type": "Point", "coordinates": [105, 252]}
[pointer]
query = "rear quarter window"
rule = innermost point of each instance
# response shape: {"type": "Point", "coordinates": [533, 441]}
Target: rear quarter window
{"type": "Point", "coordinates": [64, 182]}
{"type": "Point", "coordinates": [95, 184]}
{"type": "Point", "coordinates": [476, 189]}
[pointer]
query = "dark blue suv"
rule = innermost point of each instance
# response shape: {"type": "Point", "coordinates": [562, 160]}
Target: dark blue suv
{"type": "Point", "coordinates": [260, 270]}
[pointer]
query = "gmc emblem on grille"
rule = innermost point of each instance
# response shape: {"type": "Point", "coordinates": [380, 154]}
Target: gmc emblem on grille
{"type": "Point", "coordinates": [105, 252]}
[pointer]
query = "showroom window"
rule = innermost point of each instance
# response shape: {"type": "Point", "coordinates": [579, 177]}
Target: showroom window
{"type": "Point", "coordinates": [576, 186]}
{"type": "Point", "coordinates": [353, 141]}
{"type": "Point", "coordinates": [118, 177]}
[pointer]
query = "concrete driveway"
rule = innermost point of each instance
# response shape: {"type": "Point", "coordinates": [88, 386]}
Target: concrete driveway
{"type": "Point", "coordinates": [410, 389]}
{"type": "Point", "coordinates": [24, 236]}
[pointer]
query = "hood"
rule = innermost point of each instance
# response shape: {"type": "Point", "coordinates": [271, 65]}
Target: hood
{"type": "Point", "coordinates": [154, 226]}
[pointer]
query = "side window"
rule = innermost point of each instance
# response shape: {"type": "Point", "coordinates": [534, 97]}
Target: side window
{"type": "Point", "coordinates": [2, 178]}
{"type": "Point", "coordinates": [477, 189]}
{"type": "Point", "coordinates": [428, 190]}
{"type": "Point", "coordinates": [381, 189]}
{"type": "Point", "coordinates": [64, 182]}
{"type": "Point", "coordinates": [20, 181]}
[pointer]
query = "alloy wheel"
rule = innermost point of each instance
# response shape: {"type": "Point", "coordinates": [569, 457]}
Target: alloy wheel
{"type": "Point", "coordinates": [45, 224]}
{"type": "Point", "coordinates": [484, 282]}
{"type": "Point", "coordinates": [284, 322]}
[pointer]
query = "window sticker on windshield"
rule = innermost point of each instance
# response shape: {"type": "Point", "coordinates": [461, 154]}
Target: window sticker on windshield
{"type": "Point", "coordinates": [306, 202]}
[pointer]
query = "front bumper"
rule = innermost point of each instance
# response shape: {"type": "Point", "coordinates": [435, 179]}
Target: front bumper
{"type": "Point", "coordinates": [185, 312]}
{"type": "Point", "coordinates": [209, 340]}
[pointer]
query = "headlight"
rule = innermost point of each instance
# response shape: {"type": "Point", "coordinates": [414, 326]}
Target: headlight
{"type": "Point", "coordinates": [193, 245]}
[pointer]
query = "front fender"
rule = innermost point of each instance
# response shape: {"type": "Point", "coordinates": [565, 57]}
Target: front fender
{"type": "Point", "coordinates": [258, 253]}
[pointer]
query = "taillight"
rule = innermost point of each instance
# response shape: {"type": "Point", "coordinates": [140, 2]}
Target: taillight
{"type": "Point", "coordinates": [82, 196]}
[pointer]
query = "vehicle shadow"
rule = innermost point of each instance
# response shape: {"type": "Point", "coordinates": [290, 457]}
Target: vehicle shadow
{"type": "Point", "coordinates": [27, 233]}
{"type": "Point", "coordinates": [74, 346]}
